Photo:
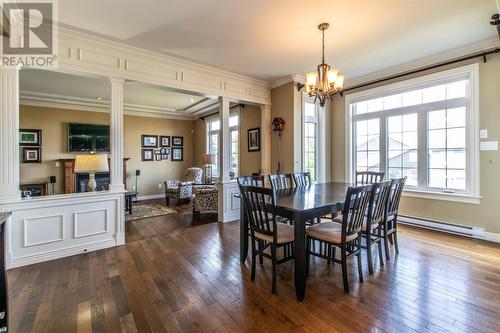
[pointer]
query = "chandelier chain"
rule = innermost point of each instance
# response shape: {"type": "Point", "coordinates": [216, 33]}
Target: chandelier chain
{"type": "Point", "coordinates": [323, 57]}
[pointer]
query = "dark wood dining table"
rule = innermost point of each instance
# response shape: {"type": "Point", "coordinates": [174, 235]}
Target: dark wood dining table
{"type": "Point", "coordinates": [300, 204]}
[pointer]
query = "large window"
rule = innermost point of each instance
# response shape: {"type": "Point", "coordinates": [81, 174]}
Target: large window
{"type": "Point", "coordinates": [213, 135]}
{"type": "Point", "coordinates": [310, 144]}
{"type": "Point", "coordinates": [424, 129]}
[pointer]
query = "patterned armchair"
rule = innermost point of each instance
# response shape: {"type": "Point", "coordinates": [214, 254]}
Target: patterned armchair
{"type": "Point", "coordinates": [182, 189]}
{"type": "Point", "coordinates": [204, 199]}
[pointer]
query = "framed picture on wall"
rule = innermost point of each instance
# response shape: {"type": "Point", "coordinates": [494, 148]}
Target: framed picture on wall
{"type": "Point", "coordinates": [177, 154]}
{"type": "Point", "coordinates": [30, 137]}
{"type": "Point", "coordinates": [149, 141]}
{"type": "Point", "coordinates": [147, 155]}
{"type": "Point", "coordinates": [254, 139]}
{"type": "Point", "coordinates": [164, 157]}
{"type": "Point", "coordinates": [164, 141]}
{"type": "Point", "coordinates": [32, 155]}
{"type": "Point", "coordinates": [165, 151]}
{"type": "Point", "coordinates": [177, 141]}
{"type": "Point", "coordinates": [157, 157]}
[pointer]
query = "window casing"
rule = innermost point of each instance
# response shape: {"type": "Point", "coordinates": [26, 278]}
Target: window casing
{"type": "Point", "coordinates": [310, 139]}
{"type": "Point", "coordinates": [424, 128]}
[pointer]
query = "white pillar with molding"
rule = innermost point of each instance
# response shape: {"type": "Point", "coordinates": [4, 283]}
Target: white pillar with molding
{"type": "Point", "coordinates": [116, 132]}
{"type": "Point", "coordinates": [265, 142]}
{"type": "Point", "coordinates": [9, 134]}
{"type": "Point", "coordinates": [229, 206]}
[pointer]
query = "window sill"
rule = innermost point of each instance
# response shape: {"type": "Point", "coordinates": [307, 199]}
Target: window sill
{"type": "Point", "coordinates": [464, 198]}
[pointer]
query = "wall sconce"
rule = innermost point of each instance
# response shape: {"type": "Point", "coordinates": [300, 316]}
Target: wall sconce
{"type": "Point", "coordinates": [278, 125]}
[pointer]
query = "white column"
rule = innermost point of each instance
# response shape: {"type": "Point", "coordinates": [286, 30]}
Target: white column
{"type": "Point", "coordinates": [116, 165]}
{"type": "Point", "coordinates": [224, 139]}
{"type": "Point", "coordinates": [265, 141]}
{"type": "Point", "coordinates": [9, 134]}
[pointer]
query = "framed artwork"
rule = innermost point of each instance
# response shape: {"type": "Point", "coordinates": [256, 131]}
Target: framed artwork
{"type": "Point", "coordinates": [32, 155]}
{"type": "Point", "coordinates": [177, 141]}
{"type": "Point", "coordinates": [164, 141]}
{"type": "Point", "coordinates": [149, 141]}
{"type": "Point", "coordinates": [30, 137]}
{"type": "Point", "coordinates": [177, 154]}
{"type": "Point", "coordinates": [164, 157]}
{"type": "Point", "coordinates": [147, 155]}
{"type": "Point", "coordinates": [157, 157]}
{"type": "Point", "coordinates": [165, 151]}
{"type": "Point", "coordinates": [254, 139]}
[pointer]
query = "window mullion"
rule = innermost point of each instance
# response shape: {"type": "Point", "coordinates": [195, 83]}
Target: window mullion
{"type": "Point", "coordinates": [383, 155]}
{"type": "Point", "coordinates": [423, 156]}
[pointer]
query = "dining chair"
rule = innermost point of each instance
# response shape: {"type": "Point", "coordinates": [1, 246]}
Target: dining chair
{"type": "Point", "coordinates": [346, 235]}
{"type": "Point", "coordinates": [302, 178]}
{"type": "Point", "coordinates": [389, 227]}
{"type": "Point", "coordinates": [251, 181]}
{"type": "Point", "coordinates": [281, 181]}
{"type": "Point", "coordinates": [266, 232]}
{"type": "Point", "coordinates": [368, 177]}
{"type": "Point", "coordinates": [372, 227]}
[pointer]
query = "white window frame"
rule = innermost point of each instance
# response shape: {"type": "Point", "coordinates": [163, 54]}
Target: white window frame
{"type": "Point", "coordinates": [236, 129]}
{"type": "Point", "coordinates": [320, 148]}
{"type": "Point", "coordinates": [470, 71]}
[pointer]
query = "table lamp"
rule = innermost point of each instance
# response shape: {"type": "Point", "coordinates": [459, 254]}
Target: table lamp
{"type": "Point", "coordinates": [91, 164]}
{"type": "Point", "coordinates": [208, 160]}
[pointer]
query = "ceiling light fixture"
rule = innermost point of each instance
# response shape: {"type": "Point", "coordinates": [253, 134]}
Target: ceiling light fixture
{"type": "Point", "coordinates": [326, 81]}
{"type": "Point", "coordinates": [99, 98]}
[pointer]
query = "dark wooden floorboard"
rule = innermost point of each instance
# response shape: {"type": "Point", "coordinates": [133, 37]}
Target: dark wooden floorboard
{"type": "Point", "coordinates": [180, 274]}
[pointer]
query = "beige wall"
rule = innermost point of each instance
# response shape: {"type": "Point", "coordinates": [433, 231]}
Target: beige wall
{"type": "Point", "coordinates": [250, 162]}
{"type": "Point", "coordinates": [487, 213]}
{"type": "Point", "coordinates": [53, 123]}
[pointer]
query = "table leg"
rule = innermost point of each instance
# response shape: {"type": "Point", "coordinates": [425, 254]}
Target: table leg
{"type": "Point", "coordinates": [130, 205]}
{"type": "Point", "coordinates": [300, 256]}
{"type": "Point", "coordinates": [243, 232]}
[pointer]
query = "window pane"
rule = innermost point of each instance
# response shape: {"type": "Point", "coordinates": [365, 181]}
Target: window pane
{"type": "Point", "coordinates": [434, 94]}
{"type": "Point", "coordinates": [456, 138]}
{"type": "Point", "coordinates": [437, 139]}
{"type": "Point", "coordinates": [362, 127]}
{"type": "Point", "coordinates": [410, 122]}
{"type": "Point", "coordinates": [437, 158]}
{"type": "Point", "coordinates": [392, 102]}
{"type": "Point", "coordinates": [309, 110]}
{"type": "Point", "coordinates": [395, 141]}
{"type": "Point", "coordinates": [412, 97]}
{"type": "Point", "coordinates": [412, 176]}
{"type": "Point", "coordinates": [361, 107]}
{"type": "Point", "coordinates": [376, 104]}
{"type": "Point", "coordinates": [437, 119]}
{"type": "Point", "coordinates": [373, 160]}
{"type": "Point", "coordinates": [455, 89]}
{"type": "Point", "coordinates": [437, 178]}
{"type": "Point", "coordinates": [410, 158]}
{"type": "Point", "coordinates": [456, 179]}
{"type": "Point", "coordinates": [395, 173]}
{"type": "Point", "coordinates": [395, 159]}
{"type": "Point", "coordinates": [395, 124]}
{"type": "Point", "coordinates": [233, 121]}
{"type": "Point", "coordinates": [410, 140]}
{"type": "Point", "coordinates": [373, 142]}
{"type": "Point", "coordinates": [455, 117]}
{"type": "Point", "coordinates": [373, 126]}
{"type": "Point", "coordinates": [455, 159]}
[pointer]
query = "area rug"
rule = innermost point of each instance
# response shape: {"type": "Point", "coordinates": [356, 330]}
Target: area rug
{"type": "Point", "coordinates": [148, 210]}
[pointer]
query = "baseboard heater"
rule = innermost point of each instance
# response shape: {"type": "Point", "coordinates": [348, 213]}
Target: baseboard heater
{"type": "Point", "coordinates": [458, 229]}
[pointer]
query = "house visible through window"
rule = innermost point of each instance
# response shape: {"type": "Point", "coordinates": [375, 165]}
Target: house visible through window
{"type": "Point", "coordinates": [422, 129]}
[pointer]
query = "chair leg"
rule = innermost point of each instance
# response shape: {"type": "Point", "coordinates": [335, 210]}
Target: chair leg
{"type": "Point", "coordinates": [167, 201]}
{"type": "Point", "coordinates": [391, 240]}
{"type": "Point", "coordinates": [395, 235]}
{"type": "Point", "coordinates": [360, 267]}
{"type": "Point", "coordinates": [308, 255]}
{"type": "Point", "coordinates": [261, 249]}
{"type": "Point", "coordinates": [328, 253]}
{"type": "Point", "coordinates": [275, 266]}
{"type": "Point", "coordinates": [254, 258]}
{"type": "Point", "coordinates": [386, 245]}
{"type": "Point", "coordinates": [333, 254]}
{"type": "Point", "coordinates": [344, 268]}
{"type": "Point", "coordinates": [369, 253]}
{"type": "Point", "coordinates": [380, 255]}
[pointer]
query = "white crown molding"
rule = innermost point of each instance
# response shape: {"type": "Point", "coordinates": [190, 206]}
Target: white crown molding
{"type": "Point", "coordinates": [424, 62]}
{"type": "Point", "coordinates": [88, 104]}
{"type": "Point", "coordinates": [286, 79]}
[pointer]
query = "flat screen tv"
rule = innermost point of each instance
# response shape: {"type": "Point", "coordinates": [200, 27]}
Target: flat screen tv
{"type": "Point", "coordinates": [88, 137]}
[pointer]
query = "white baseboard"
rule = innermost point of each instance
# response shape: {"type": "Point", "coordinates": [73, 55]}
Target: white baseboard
{"type": "Point", "coordinates": [60, 253]}
{"type": "Point", "coordinates": [448, 227]}
{"type": "Point", "coordinates": [151, 196]}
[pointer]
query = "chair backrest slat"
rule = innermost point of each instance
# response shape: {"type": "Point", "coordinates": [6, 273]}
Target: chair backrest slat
{"type": "Point", "coordinates": [302, 178]}
{"type": "Point", "coordinates": [379, 200]}
{"type": "Point", "coordinates": [395, 196]}
{"type": "Point", "coordinates": [281, 181]}
{"type": "Point", "coordinates": [356, 202]}
{"type": "Point", "coordinates": [368, 177]}
{"type": "Point", "coordinates": [251, 181]}
{"type": "Point", "coordinates": [259, 206]}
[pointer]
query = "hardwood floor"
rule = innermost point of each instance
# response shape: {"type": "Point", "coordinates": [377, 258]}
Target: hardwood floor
{"type": "Point", "coordinates": [188, 278]}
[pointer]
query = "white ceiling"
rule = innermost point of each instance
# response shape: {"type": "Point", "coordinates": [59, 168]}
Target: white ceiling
{"type": "Point", "coordinates": [269, 39]}
{"type": "Point", "coordinates": [40, 85]}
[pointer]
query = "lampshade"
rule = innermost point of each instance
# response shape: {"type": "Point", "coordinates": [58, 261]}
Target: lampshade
{"type": "Point", "coordinates": [91, 163]}
{"type": "Point", "coordinates": [207, 159]}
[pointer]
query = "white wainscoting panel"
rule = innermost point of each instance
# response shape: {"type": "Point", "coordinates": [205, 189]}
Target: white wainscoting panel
{"type": "Point", "coordinates": [229, 206]}
{"type": "Point", "coordinates": [57, 226]}
{"type": "Point", "coordinates": [91, 222]}
{"type": "Point", "coordinates": [43, 230]}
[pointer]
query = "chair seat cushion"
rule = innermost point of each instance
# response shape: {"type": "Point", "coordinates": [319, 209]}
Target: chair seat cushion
{"type": "Point", "coordinates": [172, 189]}
{"type": "Point", "coordinates": [329, 232]}
{"type": "Point", "coordinates": [285, 234]}
{"type": "Point", "coordinates": [373, 226]}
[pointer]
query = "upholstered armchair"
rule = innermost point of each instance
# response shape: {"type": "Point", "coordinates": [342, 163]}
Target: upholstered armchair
{"type": "Point", "coordinates": [204, 199]}
{"type": "Point", "coordinates": [182, 189]}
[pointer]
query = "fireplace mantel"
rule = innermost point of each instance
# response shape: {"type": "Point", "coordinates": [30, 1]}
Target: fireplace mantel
{"type": "Point", "coordinates": [69, 178]}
